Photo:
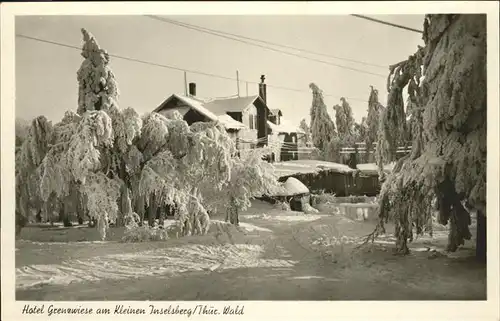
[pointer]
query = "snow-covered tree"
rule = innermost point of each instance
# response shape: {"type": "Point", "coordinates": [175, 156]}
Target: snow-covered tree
{"type": "Point", "coordinates": [344, 120]}
{"type": "Point", "coordinates": [448, 131]}
{"type": "Point", "coordinates": [251, 177]}
{"type": "Point", "coordinates": [29, 157]}
{"type": "Point", "coordinates": [375, 109]}
{"type": "Point", "coordinates": [97, 89]}
{"type": "Point", "coordinates": [323, 133]}
{"type": "Point", "coordinates": [322, 126]}
{"type": "Point", "coordinates": [305, 139]}
{"type": "Point", "coordinates": [103, 159]}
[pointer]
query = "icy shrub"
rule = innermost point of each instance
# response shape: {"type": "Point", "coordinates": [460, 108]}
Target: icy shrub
{"type": "Point", "coordinates": [135, 233]}
{"type": "Point", "coordinates": [283, 206]}
{"type": "Point", "coordinates": [308, 209]}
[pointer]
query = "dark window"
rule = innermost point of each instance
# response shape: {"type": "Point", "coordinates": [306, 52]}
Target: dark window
{"type": "Point", "coordinates": [250, 121]}
{"type": "Point", "coordinates": [255, 121]}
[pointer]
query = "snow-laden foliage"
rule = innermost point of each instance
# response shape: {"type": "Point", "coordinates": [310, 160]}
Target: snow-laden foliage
{"type": "Point", "coordinates": [127, 126]}
{"type": "Point", "coordinates": [447, 125]}
{"type": "Point", "coordinates": [97, 88]}
{"type": "Point", "coordinates": [322, 126]}
{"type": "Point", "coordinates": [154, 135]}
{"type": "Point", "coordinates": [375, 109]}
{"type": "Point", "coordinates": [189, 164]}
{"type": "Point", "coordinates": [102, 194]}
{"type": "Point", "coordinates": [21, 128]}
{"type": "Point", "coordinates": [35, 145]}
{"type": "Point", "coordinates": [344, 120]}
{"type": "Point", "coordinates": [251, 177]}
{"type": "Point", "coordinates": [305, 139]}
{"type": "Point", "coordinates": [360, 130]}
{"type": "Point", "coordinates": [29, 156]}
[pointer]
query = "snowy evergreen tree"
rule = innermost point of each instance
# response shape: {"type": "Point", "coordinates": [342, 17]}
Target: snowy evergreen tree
{"type": "Point", "coordinates": [323, 133]}
{"type": "Point", "coordinates": [322, 126]}
{"type": "Point", "coordinates": [375, 109]}
{"type": "Point", "coordinates": [344, 120]}
{"type": "Point", "coordinates": [448, 131]}
{"type": "Point", "coordinates": [306, 139]}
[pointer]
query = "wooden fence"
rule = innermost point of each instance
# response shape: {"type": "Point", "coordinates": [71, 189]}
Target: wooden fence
{"type": "Point", "coordinates": [360, 148]}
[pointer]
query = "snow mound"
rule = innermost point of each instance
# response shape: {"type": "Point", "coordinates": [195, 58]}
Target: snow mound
{"type": "Point", "coordinates": [292, 187]}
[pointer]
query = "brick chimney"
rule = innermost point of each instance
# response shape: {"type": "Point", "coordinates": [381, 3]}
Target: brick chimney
{"type": "Point", "coordinates": [262, 89]}
{"type": "Point", "coordinates": [192, 89]}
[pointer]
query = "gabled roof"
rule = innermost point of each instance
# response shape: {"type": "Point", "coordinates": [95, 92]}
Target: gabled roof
{"type": "Point", "coordinates": [199, 106]}
{"type": "Point", "coordinates": [228, 105]}
{"type": "Point", "coordinates": [195, 104]}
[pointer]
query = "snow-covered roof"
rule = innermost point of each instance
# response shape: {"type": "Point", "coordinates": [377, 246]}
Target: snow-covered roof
{"type": "Point", "coordinates": [284, 127]}
{"type": "Point", "coordinates": [303, 166]}
{"type": "Point", "coordinates": [220, 106]}
{"type": "Point", "coordinates": [200, 106]}
{"type": "Point", "coordinates": [291, 187]}
{"type": "Point", "coordinates": [230, 122]}
{"type": "Point", "coordinates": [371, 168]}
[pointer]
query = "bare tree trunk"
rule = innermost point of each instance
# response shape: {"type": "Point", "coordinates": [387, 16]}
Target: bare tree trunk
{"type": "Point", "coordinates": [20, 222]}
{"type": "Point", "coordinates": [64, 213]}
{"type": "Point", "coordinates": [140, 209]}
{"type": "Point", "coordinates": [233, 214]}
{"type": "Point", "coordinates": [481, 237]}
{"type": "Point", "coordinates": [80, 208]}
{"type": "Point", "coordinates": [161, 215]}
{"type": "Point", "coordinates": [124, 210]}
{"type": "Point", "coordinates": [152, 210]}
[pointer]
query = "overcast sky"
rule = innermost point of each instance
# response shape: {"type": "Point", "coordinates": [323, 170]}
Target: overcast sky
{"type": "Point", "coordinates": [46, 74]}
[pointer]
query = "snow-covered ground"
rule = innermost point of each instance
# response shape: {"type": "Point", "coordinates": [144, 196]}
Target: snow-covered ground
{"type": "Point", "coordinates": [299, 217]}
{"type": "Point", "coordinates": [167, 261]}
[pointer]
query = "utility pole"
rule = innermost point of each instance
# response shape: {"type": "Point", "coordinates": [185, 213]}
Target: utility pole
{"type": "Point", "coordinates": [238, 82]}
{"type": "Point", "coordinates": [185, 84]}
{"type": "Point", "coordinates": [247, 88]}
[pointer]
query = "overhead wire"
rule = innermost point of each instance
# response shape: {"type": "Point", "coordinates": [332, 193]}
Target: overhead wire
{"type": "Point", "coordinates": [177, 68]}
{"type": "Point", "coordinates": [266, 47]}
{"type": "Point", "coordinates": [187, 25]}
{"type": "Point", "coordinates": [387, 23]}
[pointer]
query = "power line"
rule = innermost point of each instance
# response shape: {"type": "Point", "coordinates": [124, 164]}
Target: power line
{"type": "Point", "coordinates": [175, 68]}
{"type": "Point", "coordinates": [387, 23]}
{"type": "Point", "coordinates": [184, 24]}
{"type": "Point", "coordinates": [126, 58]}
{"type": "Point", "coordinates": [266, 47]}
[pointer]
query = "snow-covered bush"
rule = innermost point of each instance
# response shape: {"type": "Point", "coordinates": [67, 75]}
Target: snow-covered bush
{"type": "Point", "coordinates": [135, 233]}
{"type": "Point", "coordinates": [308, 209]}
{"type": "Point", "coordinates": [283, 206]}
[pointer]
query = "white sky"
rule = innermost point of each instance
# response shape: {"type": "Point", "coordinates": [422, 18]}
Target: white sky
{"type": "Point", "coordinates": [46, 74]}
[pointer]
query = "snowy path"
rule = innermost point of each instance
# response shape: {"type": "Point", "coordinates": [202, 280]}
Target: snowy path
{"type": "Point", "coordinates": [282, 259]}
